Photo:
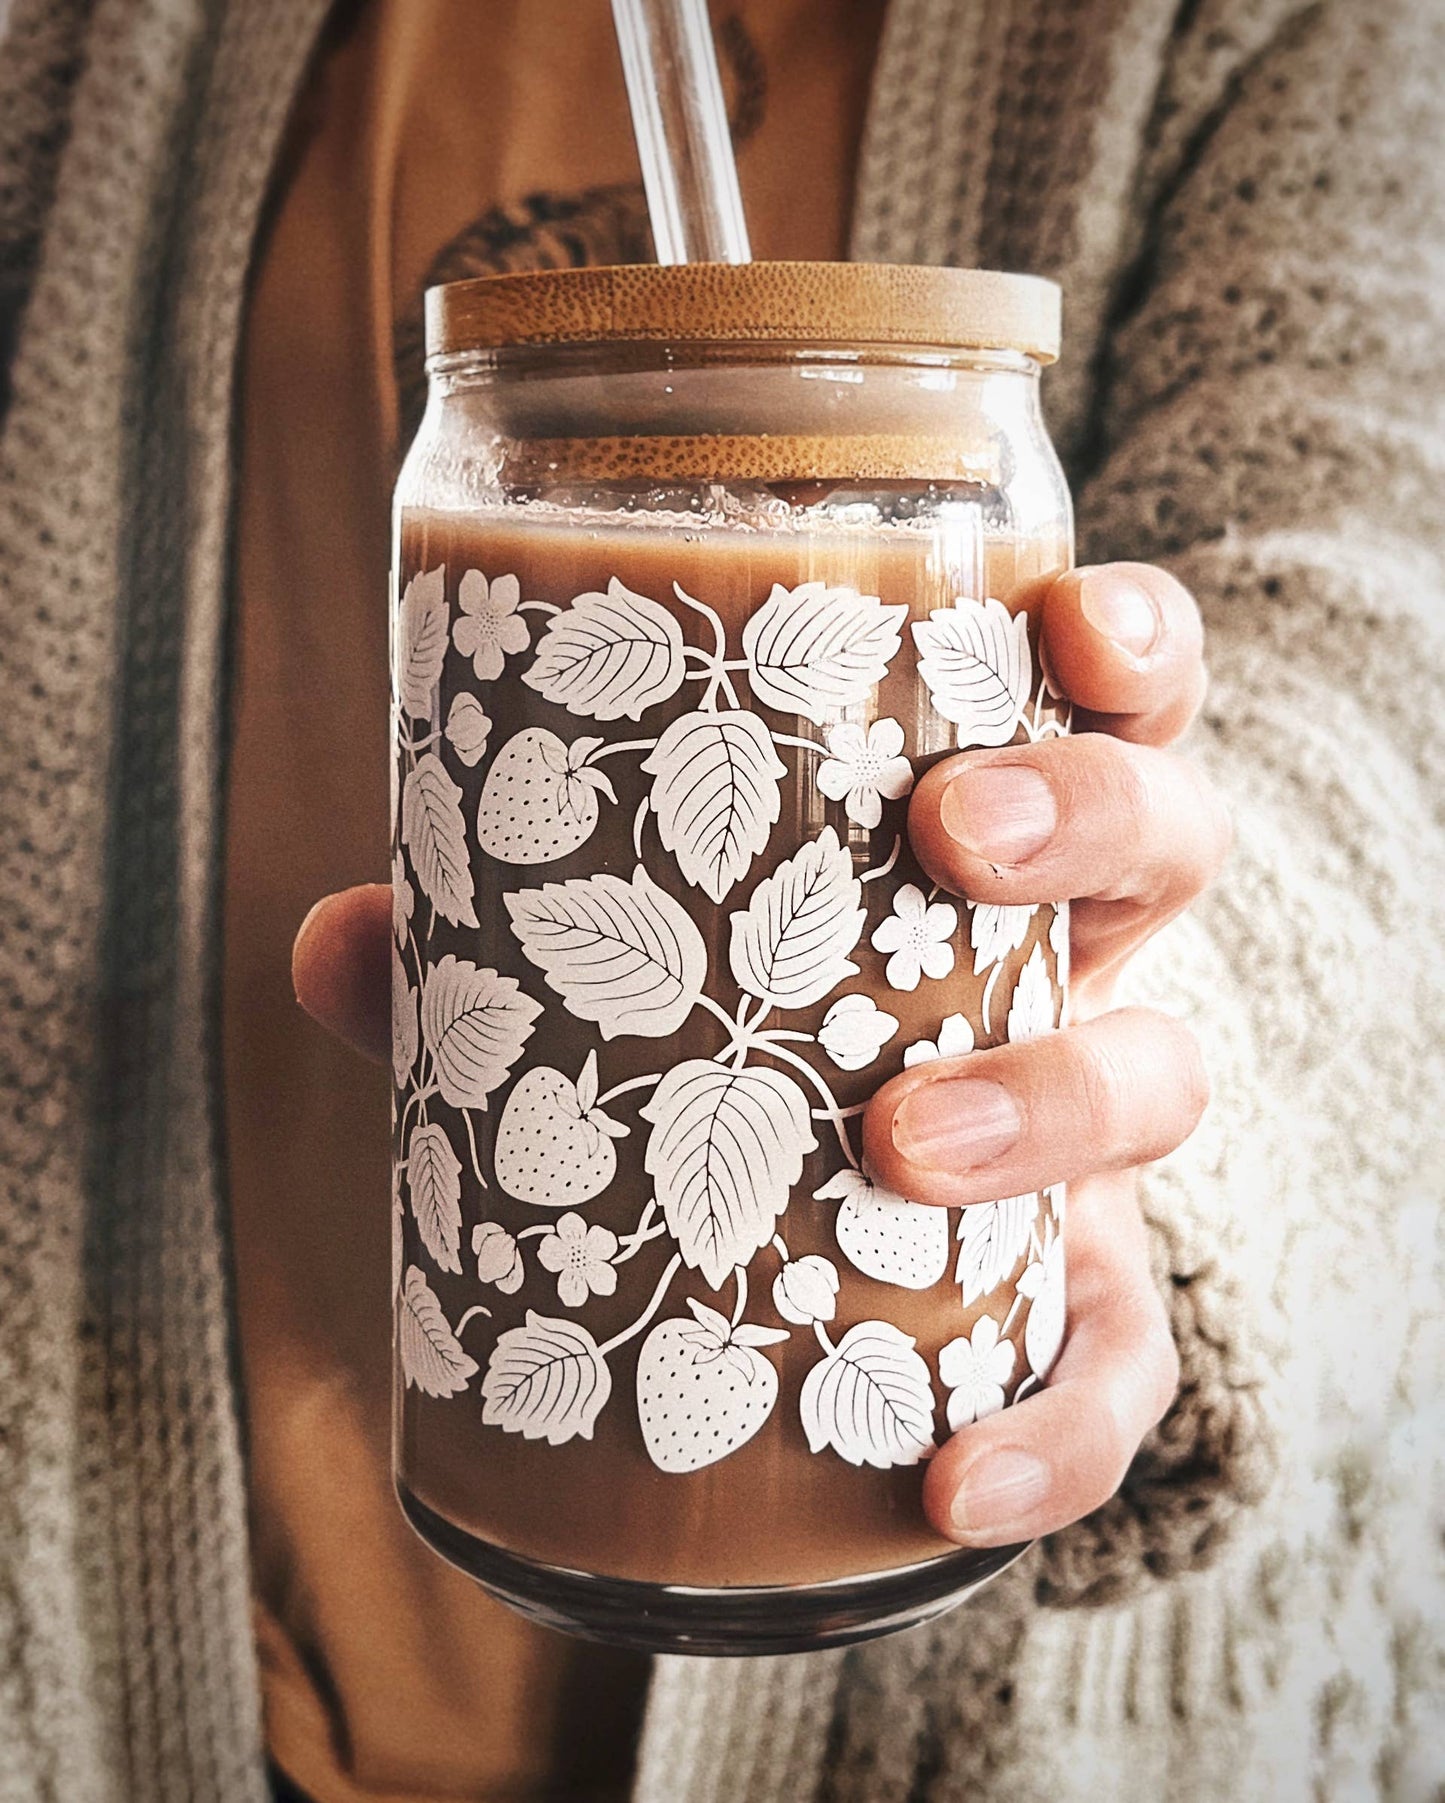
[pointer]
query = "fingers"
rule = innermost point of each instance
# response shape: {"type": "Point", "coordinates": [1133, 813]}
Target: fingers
{"type": "Point", "coordinates": [1064, 1450]}
{"type": "Point", "coordinates": [1066, 818]}
{"type": "Point", "coordinates": [1113, 1093]}
{"type": "Point", "coordinates": [341, 968]}
{"type": "Point", "coordinates": [1124, 642]}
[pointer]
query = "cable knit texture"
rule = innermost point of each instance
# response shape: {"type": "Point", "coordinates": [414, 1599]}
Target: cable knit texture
{"type": "Point", "coordinates": [1240, 198]}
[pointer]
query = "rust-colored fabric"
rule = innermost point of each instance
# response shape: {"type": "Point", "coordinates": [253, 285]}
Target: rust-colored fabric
{"type": "Point", "coordinates": [433, 134]}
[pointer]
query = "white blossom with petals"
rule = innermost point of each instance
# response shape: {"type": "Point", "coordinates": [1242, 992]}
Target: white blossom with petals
{"type": "Point", "coordinates": [855, 1030]}
{"type": "Point", "coordinates": [955, 1039]}
{"type": "Point", "coordinates": [490, 628]}
{"type": "Point", "coordinates": [497, 1256]}
{"type": "Point", "coordinates": [581, 1256]}
{"type": "Point", "coordinates": [976, 1370]}
{"type": "Point", "coordinates": [919, 935]}
{"type": "Point", "coordinates": [865, 769]}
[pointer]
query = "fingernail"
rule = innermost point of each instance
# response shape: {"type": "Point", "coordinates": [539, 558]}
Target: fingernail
{"type": "Point", "coordinates": [1003, 813]}
{"type": "Point", "coordinates": [1121, 610]}
{"type": "Point", "coordinates": [996, 1493]}
{"type": "Point", "coordinates": [958, 1121]}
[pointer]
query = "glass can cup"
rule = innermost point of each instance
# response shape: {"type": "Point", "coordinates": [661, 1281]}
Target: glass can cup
{"type": "Point", "coordinates": [695, 572]}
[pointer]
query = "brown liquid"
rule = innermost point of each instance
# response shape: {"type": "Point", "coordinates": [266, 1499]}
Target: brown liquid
{"type": "Point", "coordinates": [772, 1512]}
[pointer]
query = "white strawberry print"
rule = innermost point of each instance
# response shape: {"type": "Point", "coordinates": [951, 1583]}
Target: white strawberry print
{"type": "Point", "coordinates": [554, 1144]}
{"type": "Point", "coordinates": [885, 1236]}
{"type": "Point", "coordinates": [703, 1388]}
{"type": "Point", "coordinates": [539, 802]}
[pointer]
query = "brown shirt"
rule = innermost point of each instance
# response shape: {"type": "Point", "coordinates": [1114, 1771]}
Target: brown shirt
{"type": "Point", "coordinates": [453, 135]}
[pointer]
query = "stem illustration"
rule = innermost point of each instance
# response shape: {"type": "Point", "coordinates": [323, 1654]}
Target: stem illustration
{"type": "Point", "coordinates": [632, 1243]}
{"type": "Point", "coordinates": [741, 1274]}
{"type": "Point", "coordinates": [465, 1113]}
{"type": "Point", "coordinates": [989, 988]}
{"type": "Point", "coordinates": [714, 671]}
{"type": "Point", "coordinates": [610, 751]}
{"type": "Point", "coordinates": [830, 1110]}
{"type": "Point", "coordinates": [674, 1264]}
{"type": "Point", "coordinates": [622, 1089]}
{"type": "Point", "coordinates": [885, 868]}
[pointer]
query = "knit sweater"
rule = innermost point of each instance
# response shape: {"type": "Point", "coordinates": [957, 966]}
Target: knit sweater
{"type": "Point", "coordinates": [1238, 196]}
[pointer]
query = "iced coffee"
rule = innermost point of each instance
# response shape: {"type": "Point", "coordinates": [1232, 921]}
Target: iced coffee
{"type": "Point", "coordinates": [669, 1362]}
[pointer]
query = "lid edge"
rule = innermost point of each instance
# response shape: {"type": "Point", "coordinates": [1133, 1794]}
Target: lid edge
{"type": "Point", "coordinates": [719, 303]}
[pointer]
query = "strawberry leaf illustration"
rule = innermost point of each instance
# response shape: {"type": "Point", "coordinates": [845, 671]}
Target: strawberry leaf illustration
{"type": "Point", "coordinates": [609, 655]}
{"type": "Point", "coordinates": [871, 1399]}
{"type": "Point", "coordinates": [546, 1380]}
{"type": "Point", "coordinates": [726, 1148]}
{"type": "Point", "coordinates": [715, 794]}
{"type": "Point", "coordinates": [430, 1354]}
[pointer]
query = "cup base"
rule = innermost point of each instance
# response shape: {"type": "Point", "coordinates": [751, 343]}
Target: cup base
{"type": "Point", "coordinates": [728, 1622]}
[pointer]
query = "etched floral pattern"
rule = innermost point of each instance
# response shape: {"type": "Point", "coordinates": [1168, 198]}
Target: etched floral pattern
{"type": "Point", "coordinates": [919, 935]}
{"type": "Point", "coordinates": [865, 768]}
{"type": "Point", "coordinates": [976, 1370]}
{"type": "Point", "coordinates": [486, 1126]}
{"type": "Point", "coordinates": [581, 1256]}
{"type": "Point", "coordinates": [490, 628]}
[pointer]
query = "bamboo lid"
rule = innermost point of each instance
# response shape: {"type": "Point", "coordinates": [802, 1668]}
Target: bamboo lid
{"type": "Point", "coordinates": [797, 303]}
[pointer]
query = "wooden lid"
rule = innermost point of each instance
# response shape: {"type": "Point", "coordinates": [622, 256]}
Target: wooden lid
{"type": "Point", "coordinates": [781, 303]}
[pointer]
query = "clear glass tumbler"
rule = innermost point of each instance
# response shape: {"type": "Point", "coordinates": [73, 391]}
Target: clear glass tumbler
{"type": "Point", "coordinates": [696, 571]}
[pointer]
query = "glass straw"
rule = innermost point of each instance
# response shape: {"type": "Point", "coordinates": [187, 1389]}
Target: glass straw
{"type": "Point", "coordinates": [680, 122]}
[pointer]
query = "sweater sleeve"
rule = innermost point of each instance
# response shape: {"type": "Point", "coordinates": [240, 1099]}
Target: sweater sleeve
{"type": "Point", "coordinates": [1270, 427]}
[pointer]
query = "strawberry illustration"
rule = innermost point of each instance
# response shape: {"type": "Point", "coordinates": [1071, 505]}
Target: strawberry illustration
{"type": "Point", "coordinates": [886, 1237]}
{"type": "Point", "coordinates": [554, 1144]}
{"type": "Point", "coordinates": [703, 1388]}
{"type": "Point", "coordinates": [539, 801]}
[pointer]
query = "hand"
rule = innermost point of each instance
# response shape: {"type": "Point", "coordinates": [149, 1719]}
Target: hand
{"type": "Point", "coordinates": [1130, 833]}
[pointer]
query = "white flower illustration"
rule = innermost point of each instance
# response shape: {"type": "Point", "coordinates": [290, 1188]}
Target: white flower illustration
{"type": "Point", "coordinates": [976, 1370]}
{"type": "Point", "coordinates": [490, 627]}
{"type": "Point", "coordinates": [403, 899]}
{"type": "Point", "coordinates": [955, 1038]}
{"type": "Point", "coordinates": [865, 769]}
{"type": "Point", "coordinates": [1031, 1013]}
{"type": "Point", "coordinates": [582, 1258]}
{"type": "Point", "coordinates": [498, 1260]}
{"type": "Point", "coordinates": [918, 933]}
{"type": "Point", "coordinates": [854, 1030]}
{"type": "Point", "coordinates": [806, 1290]}
{"type": "Point", "coordinates": [996, 931]}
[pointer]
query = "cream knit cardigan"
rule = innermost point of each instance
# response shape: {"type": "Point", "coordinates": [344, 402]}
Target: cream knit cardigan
{"type": "Point", "coordinates": [1241, 199]}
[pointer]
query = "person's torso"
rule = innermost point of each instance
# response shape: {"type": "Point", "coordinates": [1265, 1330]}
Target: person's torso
{"type": "Point", "coordinates": [436, 138]}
